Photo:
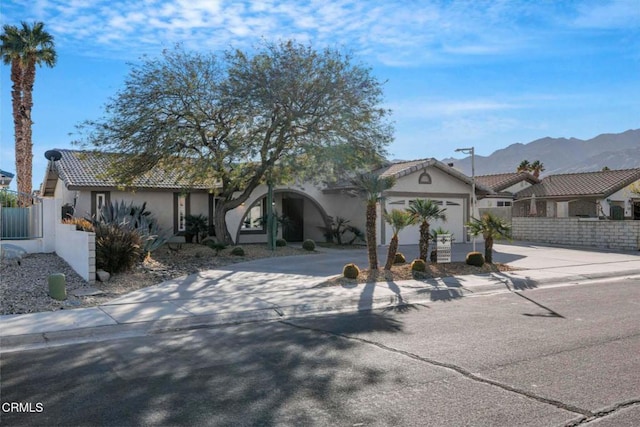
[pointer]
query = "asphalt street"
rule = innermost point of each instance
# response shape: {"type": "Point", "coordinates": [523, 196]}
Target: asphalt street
{"type": "Point", "coordinates": [557, 355]}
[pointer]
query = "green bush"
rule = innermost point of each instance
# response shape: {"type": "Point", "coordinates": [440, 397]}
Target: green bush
{"type": "Point", "coordinates": [351, 271]}
{"type": "Point", "coordinates": [281, 242]}
{"type": "Point", "coordinates": [418, 265]}
{"type": "Point", "coordinates": [475, 258]}
{"type": "Point", "coordinates": [195, 226]}
{"type": "Point", "coordinates": [8, 200]}
{"type": "Point", "coordinates": [216, 246]}
{"type": "Point", "coordinates": [117, 248]}
{"type": "Point", "coordinates": [237, 251]}
{"type": "Point", "coordinates": [399, 258]}
{"type": "Point", "coordinates": [309, 245]}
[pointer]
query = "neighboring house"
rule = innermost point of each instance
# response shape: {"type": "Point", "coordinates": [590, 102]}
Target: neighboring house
{"type": "Point", "coordinates": [504, 187]}
{"type": "Point", "coordinates": [604, 194]}
{"type": "Point", "coordinates": [76, 180]}
{"type": "Point", "coordinates": [5, 178]}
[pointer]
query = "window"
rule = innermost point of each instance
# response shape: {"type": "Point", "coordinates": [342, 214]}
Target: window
{"type": "Point", "coordinates": [424, 178]}
{"type": "Point", "coordinates": [397, 202]}
{"type": "Point", "coordinates": [254, 221]}
{"type": "Point", "coordinates": [502, 204]}
{"type": "Point", "coordinates": [453, 204]}
{"type": "Point", "coordinates": [180, 211]}
{"type": "Point", "coordinates": [99, 199]}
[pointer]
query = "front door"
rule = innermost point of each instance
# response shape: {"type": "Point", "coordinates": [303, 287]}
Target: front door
{"type": "Point", "coordinates": [636, 210]}
{"type": "Point", "coordinates": [292, 228]}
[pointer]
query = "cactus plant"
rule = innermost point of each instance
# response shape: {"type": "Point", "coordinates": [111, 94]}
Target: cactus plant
{"type": "Point", "coordinates": [351, 271]}
{"type": "Point", "coordinates": [475, 258]}
{"type": "Point", "coordinates": [418, 265]}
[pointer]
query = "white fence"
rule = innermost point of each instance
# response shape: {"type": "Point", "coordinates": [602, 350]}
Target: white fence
{"type": "Point", "coordinates": [609, 234]}
{"type": "Point", "coordinates": [77, 248]}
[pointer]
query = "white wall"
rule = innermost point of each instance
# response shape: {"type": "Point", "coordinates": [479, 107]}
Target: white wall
{"type": "Point", "coordinates": [78, 249]}
{"type": "Point", "coordinates": [623, 195]}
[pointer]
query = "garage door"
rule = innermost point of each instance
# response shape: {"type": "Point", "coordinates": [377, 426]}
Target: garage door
{"type": "Point", "coordinates": [411, 235]}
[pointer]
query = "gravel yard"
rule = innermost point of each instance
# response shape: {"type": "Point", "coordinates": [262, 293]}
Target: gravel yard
{"type": "Point", "coordinates": [24, 288]}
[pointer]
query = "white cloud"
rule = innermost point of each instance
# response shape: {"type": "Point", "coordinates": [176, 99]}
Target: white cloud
{"type": "Point", "coordinates": [609, 14]}
{"type": "Point", "coordinates": [391, 30]}
{"type": "Point", "coordinates": [433, 109]}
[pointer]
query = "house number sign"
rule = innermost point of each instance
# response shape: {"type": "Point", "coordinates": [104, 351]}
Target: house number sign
{"type": "Point", "coordinates": [443, 247]}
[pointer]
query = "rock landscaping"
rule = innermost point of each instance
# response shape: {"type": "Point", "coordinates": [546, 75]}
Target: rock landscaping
{"type": "Point", "coordinates": [24, 287]}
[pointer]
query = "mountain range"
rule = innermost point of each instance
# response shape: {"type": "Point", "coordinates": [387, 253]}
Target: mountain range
{"type": "Point", "coordinates": [561, 155]}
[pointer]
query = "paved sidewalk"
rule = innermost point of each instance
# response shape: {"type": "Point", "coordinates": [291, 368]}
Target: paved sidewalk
{"type": "Point", "coordinates": [285, 287]}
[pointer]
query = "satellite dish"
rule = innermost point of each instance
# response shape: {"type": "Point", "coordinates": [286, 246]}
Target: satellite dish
{"type": "Point", "coordinates": [53, 155]}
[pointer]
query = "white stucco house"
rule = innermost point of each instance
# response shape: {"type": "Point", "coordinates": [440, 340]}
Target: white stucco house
{"type": "Point", "coordinates": [76, 181]}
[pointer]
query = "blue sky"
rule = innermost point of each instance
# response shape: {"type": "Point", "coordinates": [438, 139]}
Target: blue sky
{"type": "Point", "coordinates": [459, 73]}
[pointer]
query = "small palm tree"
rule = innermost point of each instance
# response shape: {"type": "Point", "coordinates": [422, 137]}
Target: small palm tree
{"type": "Point", "coordinates": [524, 166]}
{"type": "Point", "coordinates": [398, 220]}
{"type": "Point", "coordinates": [491, 227]}
{"type": "Point", "coordinates": [424, 211]}
{"type": "Point", "coordinates": [372, 188]}
{"type": "Point", "coordinates": [536, 168]}
{"type": "Point", "coordinates": [24, 48]}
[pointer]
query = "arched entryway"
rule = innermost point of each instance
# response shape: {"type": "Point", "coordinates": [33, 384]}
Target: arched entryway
{"type": "Point", "coordinates": [301, 217]}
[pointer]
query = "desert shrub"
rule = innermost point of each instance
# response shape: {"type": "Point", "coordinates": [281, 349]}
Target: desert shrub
{"type": "Point", "coordinates": [195, 226]}
{"type": "Point", "coordinates": [117, 248]}
{"type": "Point", "coordinates": [351, 271]}
{"type": "Point", "coordinates": [8, 200]}
{"type": "Point", "coordinates": [309, 245]}
{"type": "Point", "coordinates": [237, 251]}
{"type": "Point", "coordinates": [81, 224]}
{"type": "Point", "coordinates": [216, 246]}
{"type": "Point", "coordinates": [133, 217]}
{"type": "Point", "coordinates": [418, 265]}
{"type": "Point", "coordinates": [399, 258]}
{"type": "Point", "coordinates": [281, 242]}
{"type": "Point", "coordinates": [337, 229]}
{"type": "Point", "coordinates": [475, 258]}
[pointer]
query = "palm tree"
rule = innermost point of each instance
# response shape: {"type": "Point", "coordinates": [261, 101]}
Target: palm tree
{"type": "Point", "coordinates": [398, 220]}
{"type": "Point", "coordinates": [372, 187]}
{"type": "Point", "coordinates": [536, 168]}
{"type": "Point", "coordinates": [425, 210]}
{"type": "Point", "coordinates": [524, 166]}
{"type": "Point", "coordinates": [24, 48]}
{"type": "Point", "coordinates": [491, 227]}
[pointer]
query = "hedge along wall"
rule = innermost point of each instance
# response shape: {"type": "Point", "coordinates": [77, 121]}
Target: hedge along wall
{"type": "Point", "coordinates": [78, 249]}
{"type": "Point", "coordinates": [622, 235]}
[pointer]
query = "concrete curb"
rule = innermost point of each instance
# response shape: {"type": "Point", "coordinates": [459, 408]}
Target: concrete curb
{"type": "Point", "coordinates": [486, 284]}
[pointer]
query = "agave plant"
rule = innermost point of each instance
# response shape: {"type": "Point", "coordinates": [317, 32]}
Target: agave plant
{"type": "Point", "coordinates": [136, 218]}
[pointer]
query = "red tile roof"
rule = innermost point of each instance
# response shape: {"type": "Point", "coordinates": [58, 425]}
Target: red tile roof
{"type": "Point", "coordinates": [599, 184]}
{"type": "Point", "coordinates": [499, 182]}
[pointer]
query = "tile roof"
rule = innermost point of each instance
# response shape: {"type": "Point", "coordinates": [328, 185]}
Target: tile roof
{"type": "Point", "coordinates": [400, 169]}
{"type": "Point", "coordinates": [499, 182]}
{"type": "Point", "coordinates": [601, 183]}
{"type": "Point", "coordinates": [86, 169]}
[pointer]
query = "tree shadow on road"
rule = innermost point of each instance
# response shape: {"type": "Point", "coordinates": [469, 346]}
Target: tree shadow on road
{"type": "Point", "coordinates": [251, 374]}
